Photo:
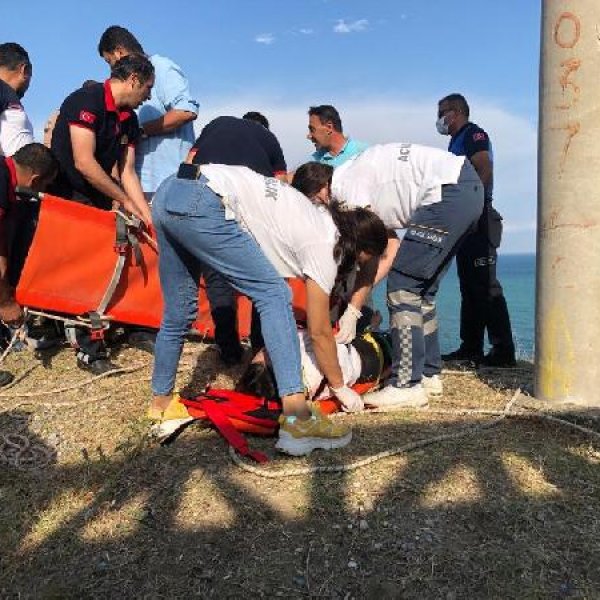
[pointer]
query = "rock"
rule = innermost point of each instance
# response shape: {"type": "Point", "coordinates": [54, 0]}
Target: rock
{"type": "Point", "coordinates": [352, 564]}
{"type": "Point", "coordinates": [363, 525]}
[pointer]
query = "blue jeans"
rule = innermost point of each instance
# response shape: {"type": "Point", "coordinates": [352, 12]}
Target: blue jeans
{"type": "Point", "coordinates": [192, 231]}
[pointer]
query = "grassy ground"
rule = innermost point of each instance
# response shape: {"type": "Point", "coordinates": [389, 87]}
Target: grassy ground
{"type": "Point", "coordinates": [93, 509]}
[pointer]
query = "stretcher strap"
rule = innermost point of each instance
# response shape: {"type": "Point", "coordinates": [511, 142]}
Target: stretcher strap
{"type": "Point", "coordinates": [121, 244]}
{"type": "Point", "coordinates": [216, 415]}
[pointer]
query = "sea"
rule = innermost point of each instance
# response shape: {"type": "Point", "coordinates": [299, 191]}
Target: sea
{"type": "Point", "coordinates": [516, 273]}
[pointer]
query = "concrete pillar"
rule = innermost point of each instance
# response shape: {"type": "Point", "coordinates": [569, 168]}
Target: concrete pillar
{"type": "Point", "coordinates": [567, 366]}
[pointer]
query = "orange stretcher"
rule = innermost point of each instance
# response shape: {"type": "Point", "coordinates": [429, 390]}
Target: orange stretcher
{"type": "Point", "coordinates": [78, 266]}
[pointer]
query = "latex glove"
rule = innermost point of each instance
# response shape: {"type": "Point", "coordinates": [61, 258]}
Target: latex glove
{"type": "Point", "coordinates": [347, 325]}
{"type": "Point", "coordinates": [351, 401]}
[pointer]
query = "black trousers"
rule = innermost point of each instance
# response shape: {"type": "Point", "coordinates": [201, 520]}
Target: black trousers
{"type": "Point", "coordinates": [483, 305]}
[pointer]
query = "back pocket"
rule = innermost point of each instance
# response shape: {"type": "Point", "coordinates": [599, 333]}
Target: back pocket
{"type": "Point", "coordinates": [185, 198]}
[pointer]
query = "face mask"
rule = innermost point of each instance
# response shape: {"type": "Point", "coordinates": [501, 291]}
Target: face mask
{"type": "Point", "coordinates": [441, 125]}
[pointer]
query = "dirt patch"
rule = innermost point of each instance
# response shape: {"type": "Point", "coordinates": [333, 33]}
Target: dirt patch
{"type": "Point", "coordinates": [91, 508]}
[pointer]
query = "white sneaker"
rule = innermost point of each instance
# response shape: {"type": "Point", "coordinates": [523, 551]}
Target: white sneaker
{"type": "Point", "coordinates": [433, 386]}
{"type": "Point", "coordinates": [394, 398]}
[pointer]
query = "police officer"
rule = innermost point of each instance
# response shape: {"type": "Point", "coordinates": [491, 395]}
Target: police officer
{"type": "Point", "coordinates": [483, 305]}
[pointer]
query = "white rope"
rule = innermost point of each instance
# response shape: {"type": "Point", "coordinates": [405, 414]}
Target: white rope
{"type": "Point", "coordinates": [79, 321]}
{"type": "Point", "coordinates": [507, 412]}
{"type": "Point", "coordinates": [295, 472]}
{"type": "Point", "coordinates": [16, 450]}
{"type": "Point", "coordinates": [75, 386]}
{"type": "Point", "coordinates": [18, 334]}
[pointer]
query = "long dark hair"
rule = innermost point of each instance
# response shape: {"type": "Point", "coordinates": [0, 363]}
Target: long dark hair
{"type": "Point", "coordinates": [361, 230]}
{"type": "Point", "coordinates": [311, 177]}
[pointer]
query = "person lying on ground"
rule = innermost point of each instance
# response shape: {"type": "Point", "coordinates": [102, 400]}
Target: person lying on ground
{"type": "Point", "coordinates": [365, 360]}
{"type": "Point", "coordinates": [256, 231]}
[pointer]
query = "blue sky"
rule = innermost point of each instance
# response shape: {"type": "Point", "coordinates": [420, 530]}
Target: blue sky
{"type": "Point", "coordinates": [383, 64]}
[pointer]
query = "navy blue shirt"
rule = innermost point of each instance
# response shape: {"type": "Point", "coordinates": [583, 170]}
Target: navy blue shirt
{"type": "Point", "coordinates": [469, 140]}
{"type": "Point", "coordinates": [239, 142]}
{"type": "Point", "coordinates": [92, 107]}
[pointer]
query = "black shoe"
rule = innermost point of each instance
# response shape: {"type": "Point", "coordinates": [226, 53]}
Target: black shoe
{"type": "Point", "coordinates": [463, 354]}
{"type": "Point", "coordinates": [6, 378]}
{"type": "Point", "coordinates": [142, 340]}
{"type": "Point", "coordinates": [499, 358]}
{"type": "Point", "coordinates": [98, 366]}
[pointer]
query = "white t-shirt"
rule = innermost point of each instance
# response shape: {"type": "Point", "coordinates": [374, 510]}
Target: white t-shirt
{"type": "Point", "coordinates": [296, 236]}
{"type": "Point", "coordinates": [15, 130]}
{"type": "Point", "coordinates": [395, 179]}
{"type": "Point", "coordinates": [348, 359]}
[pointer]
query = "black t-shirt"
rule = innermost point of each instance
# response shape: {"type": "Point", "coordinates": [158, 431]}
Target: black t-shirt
{"type": "Point", "coordinates": [470, 140]}
{"type": "Point", "coordinates": [240, 142]}
{"type": "Point", "coordinates": [7, 187]}
{"type": "Point", "coordinates": [92, 107]}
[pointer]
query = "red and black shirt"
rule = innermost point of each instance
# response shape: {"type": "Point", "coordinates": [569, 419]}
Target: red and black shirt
{"type": "Point", "coordinates": [8, 183]}
{"type": "Point", "coordinates": [92, 107]}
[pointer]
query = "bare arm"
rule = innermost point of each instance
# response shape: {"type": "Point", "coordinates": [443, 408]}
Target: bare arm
{"type": "Point", "coordinates": [170, 121]}
{"type": "Point", "coordinates": [83, 142]}
{"type": "Point", "coordinates": [483, 165]}
{"type": "Point", "coordinates": [321, 334]}
{"type": "Point", "coordinates": [373, 272]}
{"type": "Point", "coordinates": [136, 202]}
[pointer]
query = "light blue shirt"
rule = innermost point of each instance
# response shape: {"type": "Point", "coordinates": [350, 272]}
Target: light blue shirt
{"type": "Point", "coordinates": [159, 156]}
{"type": "Point", "coordinates": [350, 149]}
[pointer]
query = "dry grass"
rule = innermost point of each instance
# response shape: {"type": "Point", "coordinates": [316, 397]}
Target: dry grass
{"type": "Point", "coordinates": [98, 511]}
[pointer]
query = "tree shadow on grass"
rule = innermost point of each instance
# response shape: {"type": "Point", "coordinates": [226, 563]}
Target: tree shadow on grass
{"type": "Point", "coordinates": [511, 512]}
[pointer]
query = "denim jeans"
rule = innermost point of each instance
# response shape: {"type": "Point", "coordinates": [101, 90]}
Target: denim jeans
{"type": "Point", "coordinates": [192, 231]}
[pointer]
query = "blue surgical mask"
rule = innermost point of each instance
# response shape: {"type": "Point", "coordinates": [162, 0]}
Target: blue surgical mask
{"type": "Point", "coordinates": [441, 125]}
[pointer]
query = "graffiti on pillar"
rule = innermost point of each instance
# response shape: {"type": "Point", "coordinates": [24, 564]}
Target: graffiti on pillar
{"type": "Point", "coordinates": [567, 32]}
{"type": "Point", "coordinates": [570, 89]}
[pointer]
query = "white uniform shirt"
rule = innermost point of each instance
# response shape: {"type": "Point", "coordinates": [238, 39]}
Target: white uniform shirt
{"type": "Point", "coordinates": [296, 236]}
{"type": "Point", "coordinates": [16, 130]}
{"type": "Point", "coordinates": [395, 179]}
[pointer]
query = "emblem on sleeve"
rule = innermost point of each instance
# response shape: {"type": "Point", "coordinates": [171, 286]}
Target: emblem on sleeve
{"type": "Point", "coordinates": [87, 117]}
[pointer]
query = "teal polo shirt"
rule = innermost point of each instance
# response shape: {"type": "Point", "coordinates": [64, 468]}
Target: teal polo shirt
{"type": "Point", "coordinates": [351, 148]}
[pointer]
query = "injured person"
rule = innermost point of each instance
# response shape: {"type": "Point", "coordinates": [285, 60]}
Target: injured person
{"type": "Point", "coordinates": [364, 363]}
